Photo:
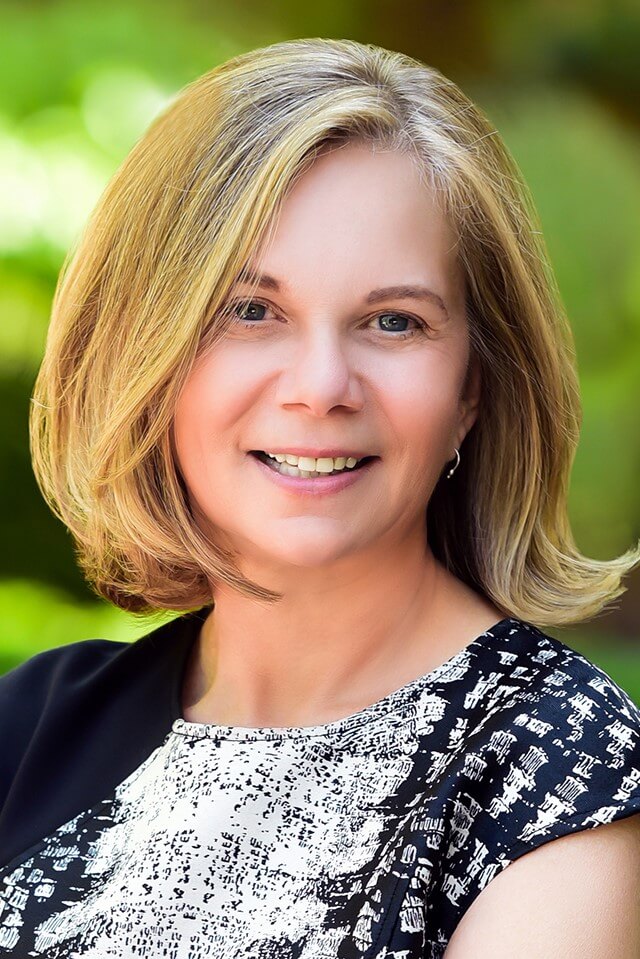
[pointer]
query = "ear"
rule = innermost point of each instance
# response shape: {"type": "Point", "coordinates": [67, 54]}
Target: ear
{"type": "Point", "coordinates": [469, 404]}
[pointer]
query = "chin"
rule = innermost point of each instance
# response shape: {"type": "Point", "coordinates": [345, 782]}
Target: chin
{"type": "Point", "coordinates": [310, 551]}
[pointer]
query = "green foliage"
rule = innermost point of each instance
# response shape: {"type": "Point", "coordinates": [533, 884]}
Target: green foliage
{"type": "Point", "coordinates": [34, 618]}
{"type": "Point", "coordinates": [79, 83]}
{"type": "Point", "coordinates": [583, 169]}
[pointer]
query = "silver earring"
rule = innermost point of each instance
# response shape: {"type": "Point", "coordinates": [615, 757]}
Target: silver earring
{"type": "Point", "coordinates": [454, 468]}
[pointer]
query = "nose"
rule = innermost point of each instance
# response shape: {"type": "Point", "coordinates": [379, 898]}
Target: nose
{"type": "Point", "coordinates": [321, 375]}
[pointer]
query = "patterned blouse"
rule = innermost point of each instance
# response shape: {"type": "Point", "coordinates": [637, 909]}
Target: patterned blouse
{"type": "Point", "coordinates": [126, 831]}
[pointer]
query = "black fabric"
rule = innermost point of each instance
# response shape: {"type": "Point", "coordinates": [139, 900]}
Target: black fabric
{"type": "Point", "coordinates": [127, 832]}
{"type": "Point", "coordinates": [66, 722]}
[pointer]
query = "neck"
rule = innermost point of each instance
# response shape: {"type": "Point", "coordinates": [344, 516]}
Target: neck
{"type": "Point", "coordinates": [339, 639]}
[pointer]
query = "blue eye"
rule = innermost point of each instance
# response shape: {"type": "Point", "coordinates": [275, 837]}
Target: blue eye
{"type": "Point", "coordinates": [251, 303]}
{"type": "Point", "coordinates": [245, 312]}
{"type": "Point", "coordinates": [404, 318]}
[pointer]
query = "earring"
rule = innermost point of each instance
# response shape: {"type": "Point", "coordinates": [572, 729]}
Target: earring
{"type": "Point", "coordinates": [454, 468]}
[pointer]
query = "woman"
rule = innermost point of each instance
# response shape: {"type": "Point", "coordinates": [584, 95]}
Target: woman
{"type": "Point", "coordinates": [308, 383]}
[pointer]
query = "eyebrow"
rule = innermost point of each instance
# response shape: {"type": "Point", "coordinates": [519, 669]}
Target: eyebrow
{"type": "Point", "coordinates": [401, 291]}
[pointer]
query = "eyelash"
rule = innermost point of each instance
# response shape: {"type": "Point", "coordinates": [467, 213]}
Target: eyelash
{"type": "Point", "coordinates": [402, 335]}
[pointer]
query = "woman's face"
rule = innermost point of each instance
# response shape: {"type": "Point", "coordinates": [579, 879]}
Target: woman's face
{"type": "Point", "coordinates": [324, 362]}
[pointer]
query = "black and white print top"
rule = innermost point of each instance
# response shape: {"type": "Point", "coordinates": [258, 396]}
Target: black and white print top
{"type": "Point", "coordinates": [126, 831]}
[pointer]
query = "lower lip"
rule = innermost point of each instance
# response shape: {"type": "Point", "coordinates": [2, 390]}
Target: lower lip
{"type": "Point", "coordinates": [319, 486]}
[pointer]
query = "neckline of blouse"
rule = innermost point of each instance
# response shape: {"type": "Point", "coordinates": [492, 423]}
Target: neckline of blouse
{"type": "Point", "coordinates": [381, 707]}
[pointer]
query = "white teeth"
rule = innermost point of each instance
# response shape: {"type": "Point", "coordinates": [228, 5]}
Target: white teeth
{"type": "Point", "coordinates": [311, 464]}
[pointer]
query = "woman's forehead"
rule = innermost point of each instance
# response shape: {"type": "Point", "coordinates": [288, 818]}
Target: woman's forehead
{"type": "Point", "coordinates": [364, 219]}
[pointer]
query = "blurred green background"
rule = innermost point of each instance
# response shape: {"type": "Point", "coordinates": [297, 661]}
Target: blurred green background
{"type": "Point", "coordinates": [79, 83]}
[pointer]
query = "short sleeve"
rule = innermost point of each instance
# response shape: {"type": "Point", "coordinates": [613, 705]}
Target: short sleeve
{"type": "Point", "coordinates": [567, 760]}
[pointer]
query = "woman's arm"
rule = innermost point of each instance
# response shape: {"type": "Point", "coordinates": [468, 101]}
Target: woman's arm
{"type": "Point", "coordinates": [577, 897]}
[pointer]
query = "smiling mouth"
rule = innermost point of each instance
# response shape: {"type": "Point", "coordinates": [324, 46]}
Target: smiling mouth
{"type": "Point", "coordinates": [286, 469]}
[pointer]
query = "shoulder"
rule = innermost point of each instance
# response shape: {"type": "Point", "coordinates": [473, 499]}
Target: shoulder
{"type": "Point", "coordinates": [578, 717]}
{"type": "Point", "coordinates": [54, 675]}
{"type": "Point", "coordinates": [87, 672]}
{"type": "Point", "coordinates": [60, 686]}
{"type": "Point", "coordinates": [569, 743]}
{"type": "Point", "coordinates": [578, 896]}
{"type": "Point", "coordinates": [49, 670]}
{"type": "Point", "coordinates": [534, 676]}
{"type": "Point", "coordinates": [553, 729]}
{"type": "Point", "coordinates": [43, 684]}
{"type": "Point", "coordinates": [77, 719]}
{"type": "Point", "coordinates": [552, 750]}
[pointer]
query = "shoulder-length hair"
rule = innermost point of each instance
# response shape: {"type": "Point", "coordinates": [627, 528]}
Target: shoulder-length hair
{"type": "Point", "coordinates": [145, 289]}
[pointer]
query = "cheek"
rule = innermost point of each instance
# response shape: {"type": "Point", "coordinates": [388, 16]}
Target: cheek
{"type": "Point", "coordinates": [210, 435]}
{"type": "Point", "coordinates": [192, 407]}
{"type": "Point", "coordinates": [199, 438]}
{"type": "Point", "coordinates": [197, 427]}
{"type": "Point", "coordinates": [209, 407]}
{"type": "Point", "coordinates": [422, 407]}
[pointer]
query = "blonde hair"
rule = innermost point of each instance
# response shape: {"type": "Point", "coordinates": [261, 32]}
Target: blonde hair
{"type": "Point", "coordinates": [145, 288]}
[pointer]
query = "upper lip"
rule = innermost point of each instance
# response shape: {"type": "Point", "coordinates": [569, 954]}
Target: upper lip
{"type": "Point", "coordinates": [332, 452]}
